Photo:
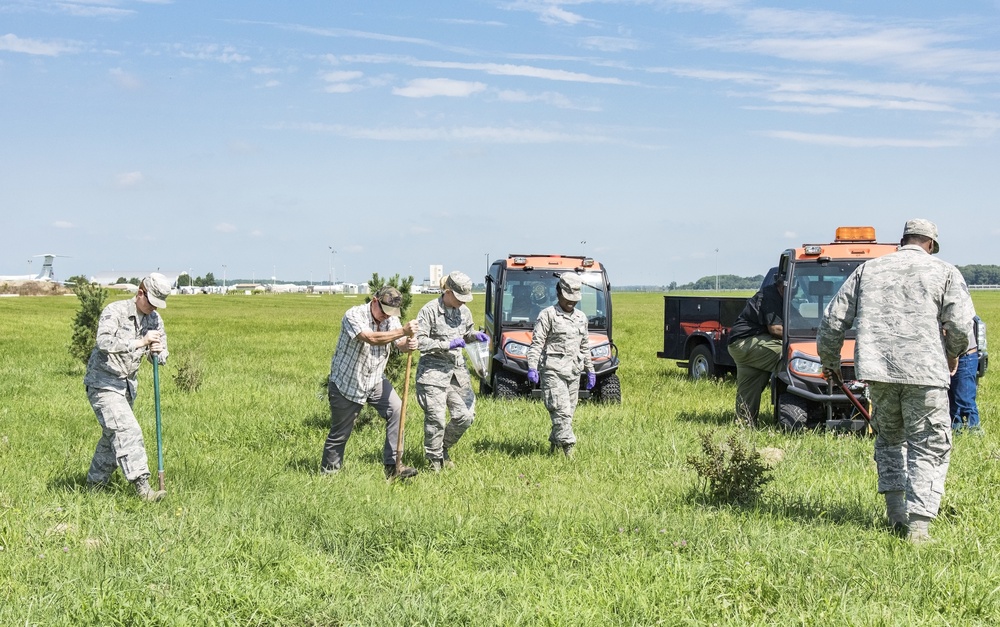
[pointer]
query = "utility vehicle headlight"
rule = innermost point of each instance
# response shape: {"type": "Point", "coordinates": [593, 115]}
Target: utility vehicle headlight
{"type": "Point", "coordinates": [806, 366]}
{"type": "Point", "coordinates": [600, 352]}
{"type": "Point", "coordinates": [516, 349]}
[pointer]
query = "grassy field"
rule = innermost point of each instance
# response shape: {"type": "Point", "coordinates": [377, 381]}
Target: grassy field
{"type": "Point", "coordinates": [251, 534]}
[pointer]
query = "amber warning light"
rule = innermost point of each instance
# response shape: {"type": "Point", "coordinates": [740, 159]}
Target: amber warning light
{"type": "Point", "coordinates": [855, 234]}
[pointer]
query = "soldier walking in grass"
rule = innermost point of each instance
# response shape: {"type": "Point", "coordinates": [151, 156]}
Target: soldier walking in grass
{"type": "Point", "coordinates": [559, 354]}
{"type": "Point", "coordinates": [357, 377]}
{"type": "Point", "coordinates": [443, 382]}
{"type": "Point", "coordinates": [128, 331]}
{"type": "Point", "coordinates": [912, 312]}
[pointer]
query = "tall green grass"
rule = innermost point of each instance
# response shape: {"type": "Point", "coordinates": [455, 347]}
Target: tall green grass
{"type": "Point", "coordinates": [251, 534]}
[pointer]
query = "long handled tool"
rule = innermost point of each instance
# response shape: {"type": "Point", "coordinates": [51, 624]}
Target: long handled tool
{"type": "Point", "coordinates": [854, 399]}
{"type": "Point", "coordinates": [402, 416]}
{"type": "Point", "coordinates": [159, 426]}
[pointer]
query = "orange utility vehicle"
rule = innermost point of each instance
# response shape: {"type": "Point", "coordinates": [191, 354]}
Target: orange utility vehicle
{"type": "Point", "coordinates": [697, 329]}
{"type": "Point", "coordinates": [517, 289]}
{"type": "Point", "coordinates": [800, 394]}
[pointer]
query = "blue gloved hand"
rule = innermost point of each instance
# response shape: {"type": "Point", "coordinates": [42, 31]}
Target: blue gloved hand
{"type": "Point", "coordinates": [591, 380]}
{"type": "Point", "coordinates": [456, 343]}
{"type": "Point", "coordinates": [533, 376]}
{"type": "Point", "coordinates": [481, 337]}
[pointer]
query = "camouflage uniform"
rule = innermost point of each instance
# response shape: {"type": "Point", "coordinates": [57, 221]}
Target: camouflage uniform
{"type": "Point", "coordinates": [901, 302]}
{"type": "Point", "coordinates": [560, 350]}
{"type": "Point", "coordinates": [111, 388]}
{"type": "Point", "coordinates": [443, 381]}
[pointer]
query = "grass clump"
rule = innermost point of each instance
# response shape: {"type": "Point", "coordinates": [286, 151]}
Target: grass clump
{"type": "Point", "coordinates": [731, 472]}
{"type": "Point", "coordinates": [190, 372]}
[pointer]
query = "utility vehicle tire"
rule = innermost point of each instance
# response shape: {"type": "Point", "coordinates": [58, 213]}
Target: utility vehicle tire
{"type": "Point", "coordinates": [608, 390]}
{"type": "Point", "coordinates": [792, 412]}
{"type": "Point", "coordinates": [505, 385]}
{"type": "Point", "coordinates": [701, 365]}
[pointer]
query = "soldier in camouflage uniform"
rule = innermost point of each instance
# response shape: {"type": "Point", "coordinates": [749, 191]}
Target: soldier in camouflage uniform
{"type": "Point", "coordinates": [443, 382]}
{"type": "Point", "coordinates": [560, 348]}
{"type": "Point", "coordinates": [128, 331]}
{"type": "Point", "coordinates": [901, 304]}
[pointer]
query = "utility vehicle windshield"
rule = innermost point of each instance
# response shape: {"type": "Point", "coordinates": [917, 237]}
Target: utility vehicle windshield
{"type": "Point", "coordinates": [527, 293]}
{"type": "Point", "coordinates": [811, 287]}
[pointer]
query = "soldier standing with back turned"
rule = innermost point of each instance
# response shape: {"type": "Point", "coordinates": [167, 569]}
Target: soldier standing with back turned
{"type": "Point", "coordinates": [913, 315]}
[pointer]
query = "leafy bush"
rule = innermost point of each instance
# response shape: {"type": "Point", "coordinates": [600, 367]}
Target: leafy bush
{"type": "Point", "coordinates": [92, 297]}
{"type": "Point", "coordinates": [730, 472]}
{"type": "Point", "coordinates": [190, 372]}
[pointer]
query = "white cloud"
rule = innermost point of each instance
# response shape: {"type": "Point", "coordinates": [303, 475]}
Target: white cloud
{"type": "Point", "coordinates": [13, 43]}
{"type": "Point", "coordinates": [212, 52]}
{"type": "Point", "coordinates": [471, 134]}
{"type": "Point", "coordinates": [92, 9]}
{"type": "Point", "coordinates": [506, 69]}
{"type": "Point", "coordinates": [846, 141]}
{"type": "Point", "coordinates": [225, 227]}
{"type": "Point", "coordinates": [62, 224]}
{"type": "Point", "coordinates": [610, 44]}
{"type": "Point", "coordinates": [125, 79]}
{"type": "Point", "coordinates": [548, 11]}
{"type": "Point", "coordinates": [263, 69]}
{"type": "Point", "coordinates": [129, 179]}
{"type": "Point", "coordinates": [342, 88]}
{"type": "Point", "coordinates": [550, 98]}
{"type": "Point", "coordinates": [430, 87]}
{"type": "Point", "coordinates": [256, 233]}
{"type": "Point", "coordinates": [271, 84]}
{"type": "Point", "coordinates": [420, 230]}
{"type": "Point", "coordinates": [342, 76]}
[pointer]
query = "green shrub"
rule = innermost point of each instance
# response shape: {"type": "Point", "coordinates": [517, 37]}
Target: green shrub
{"type": "Point", "coordinates": [730, 473]}
{"type": "Point", "coordinates": [190, 372]}
{"type": "Point", "coordinates": [92, 297]}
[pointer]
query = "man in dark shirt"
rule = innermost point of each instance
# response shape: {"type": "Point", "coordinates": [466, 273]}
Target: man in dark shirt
{"type": "Point", "coordinates": [755, 345]}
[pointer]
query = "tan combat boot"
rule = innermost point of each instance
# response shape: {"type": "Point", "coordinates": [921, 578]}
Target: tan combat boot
{"type": "Point", "coordinates": [146, 492]}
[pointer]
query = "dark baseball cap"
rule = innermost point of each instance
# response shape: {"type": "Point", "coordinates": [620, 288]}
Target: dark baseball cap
{"type": "Point", "coordinates": [390, 299]}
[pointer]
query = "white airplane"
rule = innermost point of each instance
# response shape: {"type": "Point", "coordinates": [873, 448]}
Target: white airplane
{"type": "Point", "coordinates": [45, 275]}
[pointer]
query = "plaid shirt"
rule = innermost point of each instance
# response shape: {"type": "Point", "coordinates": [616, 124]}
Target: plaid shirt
{"type": "Point", "coordinates": [357, 367]}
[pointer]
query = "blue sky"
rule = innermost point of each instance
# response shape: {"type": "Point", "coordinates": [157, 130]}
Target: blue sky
{"type": "Point", "coordinates": [257, 135]}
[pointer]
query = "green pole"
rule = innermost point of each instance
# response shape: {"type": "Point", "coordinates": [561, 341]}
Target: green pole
{"type": "Point", "coordinates": [159, 425]}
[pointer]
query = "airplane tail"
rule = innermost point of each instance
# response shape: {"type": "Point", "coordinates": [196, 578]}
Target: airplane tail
{"type": "Point", "coordinates": [46, 274]}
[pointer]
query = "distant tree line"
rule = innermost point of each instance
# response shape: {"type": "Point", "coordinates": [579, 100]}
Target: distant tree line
{"type": "Point", "coordinates": [980, 274]}
{"type": "Point", "coordinates": [974, 275]}
{"type": "Point", "coordinates": [724, 281]}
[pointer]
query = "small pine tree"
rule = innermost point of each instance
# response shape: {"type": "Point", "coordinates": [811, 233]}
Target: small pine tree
{"type": "Point", "coordinates": [396, 368]}
{"type": "Point", "coordinates": [92, 297]}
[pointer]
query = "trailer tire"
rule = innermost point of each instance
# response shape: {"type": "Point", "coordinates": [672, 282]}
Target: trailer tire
{"type": "Point", "coordinates": [792, 412]}
{"type": "Point", "coordinates": [608, 390]}
{"type": "Point", "coordinates": [701, 365]}
{"type": "Point", "coordinates": [505, 385]}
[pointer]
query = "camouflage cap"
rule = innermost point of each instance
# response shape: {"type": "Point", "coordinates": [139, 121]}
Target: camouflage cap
{"type": "Point", "coordinates": [569, 286]}
{"type": "Point", "coordinates": [460, 285]}
{"type": "Point", "coordinates": [157, 288]}
{"type": "Point", "coordinates": [919, 226]}
{"type": "Point", "coordinates": [389, 299]}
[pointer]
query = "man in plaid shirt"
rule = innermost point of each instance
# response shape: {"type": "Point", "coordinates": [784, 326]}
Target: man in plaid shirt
{"type": "Point", "coordinates": [357, 377]}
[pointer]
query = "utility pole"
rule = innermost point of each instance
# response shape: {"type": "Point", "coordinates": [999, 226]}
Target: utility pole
{"type": "Point", "coordinates": [223, 278]}
{"type": "Point", "coordinates": [716, 269]}
{"type": "Point", "coordinates": [333, 271]}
